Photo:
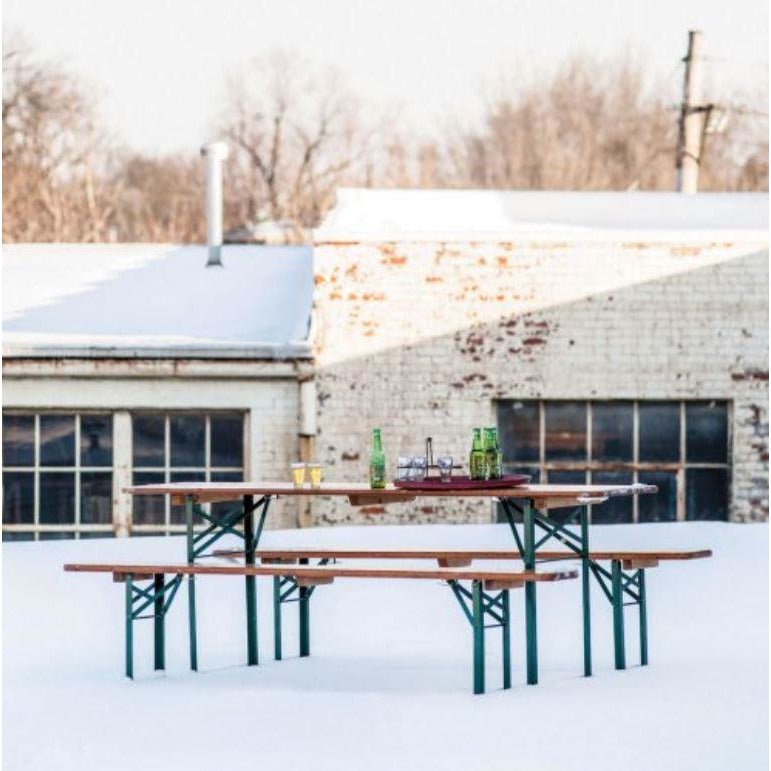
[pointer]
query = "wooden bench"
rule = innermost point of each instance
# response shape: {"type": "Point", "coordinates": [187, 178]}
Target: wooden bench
{"type": "Point", "coordinates": [626, 577]}
{"type": "Point", "coordinates": [487, 596]}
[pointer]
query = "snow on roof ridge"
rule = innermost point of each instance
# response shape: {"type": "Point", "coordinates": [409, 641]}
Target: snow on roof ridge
{"type": "Point", "coordinates": [362, 213]}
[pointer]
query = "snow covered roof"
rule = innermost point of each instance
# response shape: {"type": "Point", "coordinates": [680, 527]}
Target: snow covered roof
{"type": "Point", "coordinates": [156, 300]}
{"type": "Point", "coordinates": [370, 215]}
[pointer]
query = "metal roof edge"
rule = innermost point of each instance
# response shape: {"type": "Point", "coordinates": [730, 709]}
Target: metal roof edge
{"type": "Point", "coordinates": [255, 353]}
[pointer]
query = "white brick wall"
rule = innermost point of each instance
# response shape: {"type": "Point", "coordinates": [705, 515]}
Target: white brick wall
{"type": "Point", "coordinates": [420, 338]}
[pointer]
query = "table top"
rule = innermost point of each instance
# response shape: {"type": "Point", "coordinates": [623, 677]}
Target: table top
{"type": "Point", "coordinates": [361, 491]}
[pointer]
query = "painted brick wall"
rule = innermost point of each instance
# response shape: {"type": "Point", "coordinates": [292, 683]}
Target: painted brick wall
{"type": "Point", "coordinates": [421, 338]}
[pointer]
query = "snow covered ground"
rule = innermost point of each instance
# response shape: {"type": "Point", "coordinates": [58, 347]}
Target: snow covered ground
{"type": "Point", "coordinates": [389, 683]}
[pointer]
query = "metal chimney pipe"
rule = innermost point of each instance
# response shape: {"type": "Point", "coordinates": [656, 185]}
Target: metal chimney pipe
{"type": "Point", "coordinates": [214, 153]}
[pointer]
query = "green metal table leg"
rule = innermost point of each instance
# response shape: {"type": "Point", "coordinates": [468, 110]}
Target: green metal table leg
{"type": "Point", "coordinates": [158, 622]}
{"type": "Point", "coordinates": [305, 637]}
{"type": "Point", "coordinates": [251, 583]}
{"type": "Point", "coordinates": [506, 630]}
{"type": "Point", "coordinates": [305, 623]}
{"type": "Point", "coordinates": [191, 620]}
{"type": "Point", "coordinates": [618, 615]}
{"type": "Point", "coordinates": [277, 617]}
{"type": "Point", "coordinates": [585, 592]}
{"type": "Point", "coordinates": [129, 626]}
{"type": "Point", "coordinates": [478, 624]}
{"type": "Point", "coordinates": [643, 619]}
{"type": "Point", "coordinates": [531, 632]}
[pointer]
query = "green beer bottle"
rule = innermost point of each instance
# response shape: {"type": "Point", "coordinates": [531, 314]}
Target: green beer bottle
{"type": "Point", "coordinates": [377, 470]}
{"type": "Point", "coordinates": [493, 454]}
{"type": "Point", "coordinates": [477, 464]}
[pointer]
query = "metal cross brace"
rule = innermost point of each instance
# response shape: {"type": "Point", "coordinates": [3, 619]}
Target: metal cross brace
{"type": "Point", "coordinates": [197, 543]}
{"type": "Point", "coordinates": [151, 594]}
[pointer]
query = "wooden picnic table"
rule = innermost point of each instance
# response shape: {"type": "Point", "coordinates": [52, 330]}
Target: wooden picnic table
{"type": "Point", "coordinates": [532, 503]}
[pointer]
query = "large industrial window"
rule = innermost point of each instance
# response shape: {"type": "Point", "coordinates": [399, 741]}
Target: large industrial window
{"type": "Point", "coordinates": [57, 475]}
{"type": "Point", "coordinates": [182, 447]}
{"type": "Point", "coordinates": [682, 447]}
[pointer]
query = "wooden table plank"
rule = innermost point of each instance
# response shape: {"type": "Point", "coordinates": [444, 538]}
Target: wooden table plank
{"type": "Point", "coordinates": [548, 496]}
{"type": "Point", "coordinates": [271, 553]}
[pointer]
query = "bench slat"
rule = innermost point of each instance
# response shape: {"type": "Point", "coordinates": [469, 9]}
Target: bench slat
{"type": "Point", "coordinates": [327, 571]}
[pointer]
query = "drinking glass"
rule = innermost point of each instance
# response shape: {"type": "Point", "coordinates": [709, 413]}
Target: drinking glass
{"type": "Point", "coordinates": [445, 463]}
{"type": "Point", "coordinates": [403, 467]}
{"type": "Point", "coordinates": [316, 471]}
{"type": "Point", "coordinates": [419, 467]}
{"type": "Point", "coordinates": [298, 474]}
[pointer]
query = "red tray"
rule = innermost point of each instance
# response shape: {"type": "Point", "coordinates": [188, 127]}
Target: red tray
{"type": "Point", "coordinates": [464, 483]}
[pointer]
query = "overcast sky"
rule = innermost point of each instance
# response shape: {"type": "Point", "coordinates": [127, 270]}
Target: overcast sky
{"type": "Point", "coordinates": [161, 64]}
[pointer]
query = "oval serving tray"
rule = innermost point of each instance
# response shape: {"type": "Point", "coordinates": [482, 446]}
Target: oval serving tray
{"type": "Point", "coordinates": [464, 483]}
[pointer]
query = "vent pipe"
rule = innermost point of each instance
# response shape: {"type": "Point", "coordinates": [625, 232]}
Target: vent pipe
{"type": "Point", "coordinates": [214, 154]}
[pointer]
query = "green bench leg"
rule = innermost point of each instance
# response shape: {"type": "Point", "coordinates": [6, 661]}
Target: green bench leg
{"type": "Point", "coordinates": [478, 625]}
{"type": "Point", "coordinates": [618, 615]}
{"type": "Point", "coordinates": [159, 622]}
{"type": "Point", "coordinates": [506, 633]}
{"type": "Point", "coordinates": [277, 617]}
{"type": "Point", "coordinates": [192, 623]}
{"type": "Point", "coordinates": [643, 619]}
{"type": "Point", "coordinates": [129, 626]}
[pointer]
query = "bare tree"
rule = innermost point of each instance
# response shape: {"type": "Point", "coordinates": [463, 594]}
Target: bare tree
{"type": "Point", "coordinates": [592, 126]}
{"type": "Point", "coordinates": [161, 200]}
{"type": "Point", "coordinates": [55, 156]}
{"type": "Point", "coordinates": [296, 136]}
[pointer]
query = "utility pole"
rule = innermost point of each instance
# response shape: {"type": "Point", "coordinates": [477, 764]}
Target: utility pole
{"type": "Point", "coordinates": [692, 118]}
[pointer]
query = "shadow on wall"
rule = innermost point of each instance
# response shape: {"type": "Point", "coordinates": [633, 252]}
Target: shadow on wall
{"type": "Point", "coordinates": [696, 334]}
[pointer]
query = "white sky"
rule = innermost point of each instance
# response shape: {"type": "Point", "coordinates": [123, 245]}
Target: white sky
{"type": "Point", "coordinates": [161, 64]}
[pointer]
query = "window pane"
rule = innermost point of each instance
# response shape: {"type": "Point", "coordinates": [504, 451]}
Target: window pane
{"type": "Point", "coordinates": [18, 497]}
{"type": "Point", "coordinates": [96, 498]}
{"type": "Point", "coordinates": [227, 440]}
{"type": "Point", "coordinates": [706, 493]}
{"type": "Point", "coordinates": [614, 510]}
{"type": "Point", "coordinates": [18, 440]}
{"type": "Point", "coordinates": [57, 440]}
{"type": "Point", "coordinates": [661, 507]}
{"type": "Point", "coordinates": [57, 498]}
{"type": "Point", "coordinates": [565, 430]}
{"type": "Point", "coordinates": [66, 535]}
{"type": "Point", "coordinates": [13, 536]}
{"type": "Point", "coordinates": [566, 477]}
{"type": "Point", "coordinates": [96, 440]}
{"type": "Point", "coordinates": [218, 509]}
{"type": "Point", "coordinates": [148, 509]}
{"type": "Point", "coordinates": [659, 431]}
{"type": "Point", "coordinates": [188, 433]}
{"type": "Point", "coordinates": [97, 534]}
{"type": "Point", "coordinates": [612, 431]}
{"type": "Point", "coordinates": [706, 432]}
{"type": "Point", "coordinates": [519, 430]}
{"type": "Point", "coordinates": [178, 512]}
{"type": "Point", "coordinates": [148, 440]}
